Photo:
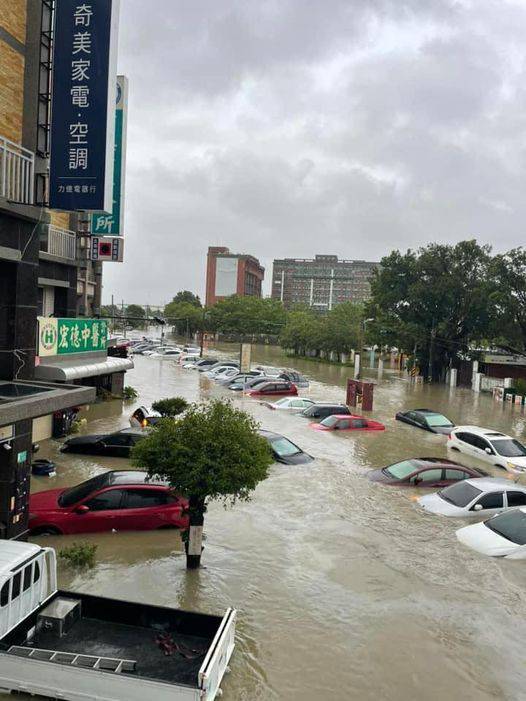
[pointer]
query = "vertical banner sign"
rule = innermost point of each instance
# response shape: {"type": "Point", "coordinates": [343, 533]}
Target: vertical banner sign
{"type": "Point", "coordinates": [111, 223]}
{"type": "Point", "coordinates": [83, 104]}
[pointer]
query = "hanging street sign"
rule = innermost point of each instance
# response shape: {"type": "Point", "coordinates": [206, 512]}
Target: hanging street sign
{"type": "Point", "coordinates": [111, 223]}
{"type": "Point", "coordinates": [66, 336]}
{"type": "Point", "coordinates": [83, 104]}
{"type": "Point", "coordinates": [107, 249]}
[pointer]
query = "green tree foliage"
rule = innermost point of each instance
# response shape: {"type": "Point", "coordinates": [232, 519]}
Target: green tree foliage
{"type": "Point", "coordinates": [184, 316]}
{"type": "Point", "coordinates": [508, 298]}
{"type": "Point", "coordinates": [302, 332]}
{"type": "Point", "coordinates": [435, 299]}
{"type": "Point", "coordinates": [187, 296]}
{"type": "Point", "coordinates": [213, 452]}
{"type": "Point", "coordinates": [171, 406]}
{"type": "Point", "coordinates": [135, 311]}
{"type": "Point", "coordinates": [247, 316]}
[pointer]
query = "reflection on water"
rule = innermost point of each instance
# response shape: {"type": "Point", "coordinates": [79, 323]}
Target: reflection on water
{"type": "Point", "coordinates": [344, 588]}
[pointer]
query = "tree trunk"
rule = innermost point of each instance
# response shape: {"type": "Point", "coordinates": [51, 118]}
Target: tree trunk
{"type": "Point", "coordinates": [193, 543]}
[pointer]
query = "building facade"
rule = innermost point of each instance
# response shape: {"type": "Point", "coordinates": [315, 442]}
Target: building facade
{"type": "Point", "coordinates": [321, 283]}
{"type": "Point", "coordinates": [49, 361]}
{"type": "Point", "coordinates": [231, 274]}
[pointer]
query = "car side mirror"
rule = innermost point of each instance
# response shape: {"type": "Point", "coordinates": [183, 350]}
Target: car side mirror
{"type": "Point", "coordinates": [82, 509]}
{"type": "Point", "coordinates": [488, 451]}
{"type": "Point", "coordinates": [478, 507]}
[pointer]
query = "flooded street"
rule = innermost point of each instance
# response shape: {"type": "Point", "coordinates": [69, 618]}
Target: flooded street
{"type": "Point", "coordinates": [344, 588]}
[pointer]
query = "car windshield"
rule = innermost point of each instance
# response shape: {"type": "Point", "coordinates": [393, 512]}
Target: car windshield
{"type": "Point", "coordinates": [330, 421]}
{"type": "Point", "coordinates": [438, 420]}
{"type": "Point", "coordinates": [282, 402]}
{"type": "Point", "coordinates": [81, 491]}
{"type": "Point", "coordinates": [284, 448]}
{"type": "Point", "coordinates": [400, 470]}
{"type": "Point", "coordinates": [459, 494]}
{"type": "Point", "coordinates": [510, 525]}
{"type": "Point", "coordinates": [509, 448]}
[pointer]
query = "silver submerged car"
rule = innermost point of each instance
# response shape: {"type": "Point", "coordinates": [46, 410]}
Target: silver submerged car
{"type": "Point", "coordinates": [474, 498]}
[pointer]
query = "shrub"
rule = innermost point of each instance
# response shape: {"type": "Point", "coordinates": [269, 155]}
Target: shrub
{"type": "Point", "coordinates": [129, 393]}
{"type": "Point", "coordinates": [171, 406]}
{"type": "Point", "coordinates": [79, 554]}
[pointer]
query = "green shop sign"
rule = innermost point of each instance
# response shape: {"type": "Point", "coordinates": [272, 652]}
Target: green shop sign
{"type": "Point", "coordinates": [66, 336]}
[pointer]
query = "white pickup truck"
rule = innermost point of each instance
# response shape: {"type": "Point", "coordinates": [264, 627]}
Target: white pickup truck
{"type": "Point", "coordinates": [68, 645]}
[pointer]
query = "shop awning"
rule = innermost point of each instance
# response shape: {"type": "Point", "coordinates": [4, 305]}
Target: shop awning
{"type": "Point", "coordinates": [67, 371]}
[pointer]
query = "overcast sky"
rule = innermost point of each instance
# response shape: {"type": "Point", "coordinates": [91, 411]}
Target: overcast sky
{"type": "Point", "coordinates": [295, 127]}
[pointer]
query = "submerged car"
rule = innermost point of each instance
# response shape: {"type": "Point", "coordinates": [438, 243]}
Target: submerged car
{"type": "Point", "coordinates": [274, 387]}
{"type": "Point", "coordinates": [503, 535]}
{"type": "Point", "coordinates": [144, 416]}
{"type": "Point", "coordinates": [285, 451]}
{"type": "Point", "coordinates": [250, 383]}
{"type": "Point", "coordinates": [292, 376]}
{"type": "Point", "coordinates": [489, 445]}
{"type": "Point", "coordinates": [117, 445]}
{"type": "Point", "coordinates": [217, 364]}
{"type": "Point", "coordinates": [427, 419]}
{"type": "Point", "coordinates": [346, 422]}
{"type": "Point", "coordinates": [473, 498]}
{"type": "Point", "coordinates": [117, 500]}
{"type": "Point", "coordinates": [424, 472]}
{"type": "Point", "coordinates": [240, 378]}
{"type": "Point", "coordinates": [320, 411]}
{"type": "Point", "coordinates": [290, 404]}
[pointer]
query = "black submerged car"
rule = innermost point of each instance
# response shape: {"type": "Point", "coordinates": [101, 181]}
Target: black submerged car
{"type": "Point", "coordinates": [321, 411]}
{"type": "Point", "coordinates": [117, 445]}
{"type": "Point", "coordinates": [427, 419]}
{"type": "Point", "coordinates": [285, 451]}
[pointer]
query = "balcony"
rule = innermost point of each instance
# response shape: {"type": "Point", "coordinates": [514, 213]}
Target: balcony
{"type": "Point", "coordinates": [17, 166]}
{"type": "Point", "coordinates": [60, 243]}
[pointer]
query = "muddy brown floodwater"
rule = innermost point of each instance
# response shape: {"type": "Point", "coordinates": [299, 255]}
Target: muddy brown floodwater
{"type": "Point", "coordinates": [345, 590]}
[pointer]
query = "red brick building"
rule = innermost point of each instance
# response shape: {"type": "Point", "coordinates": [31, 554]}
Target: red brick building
{"type": "Point", "coordinates": [231, 274]}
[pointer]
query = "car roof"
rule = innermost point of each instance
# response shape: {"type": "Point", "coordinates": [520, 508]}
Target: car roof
{"type": "Point", "coordinates": [440, 461]}
{"type": "Point", "coordinates": [329, 404]}
{"type": "Point", "coordinates": [347, 416]}
{"type": "Point", "coordinates": [134, 431]}
{"type": "Point", "coordinates": [489, 484]}
{"type": "Point", "coordinates": [479, 431]}
{"type": "Point", "coordinates": [269, 434]}
{"type": "Point", "coordinates": [132, 477]}
{"type": "Point", "coordinates": [15, 553]}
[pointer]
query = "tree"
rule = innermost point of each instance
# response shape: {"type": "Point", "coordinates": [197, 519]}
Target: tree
{"type": "Point", "coordinates": [342, 328]}
{"type": "Point", "coordinates": [187, 296]}
{"type": "Point", "coordinates": [213, 452]}
{"type": "Point", "coordinates": [185, 317]}
{"type": "Point", "coordinates": [171, 406]}
{"type": "Point", "coordinates": [135, 312]}
{"type": "Point", "coordinates": [508, 298]}
{"type": "Point", "coordinates": [248, 316]}
{"type": "Point", "coordinates": [302, 332]}
{"type": "Point", "coordinates": [433, 303]}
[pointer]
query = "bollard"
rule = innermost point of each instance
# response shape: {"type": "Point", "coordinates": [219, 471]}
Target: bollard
{"type": "Point", "coordinates": [477, 381]}
{"type": "Point", "coordinates": [453, 377]}
{"type": "Point", "coordinates": [356, 365]}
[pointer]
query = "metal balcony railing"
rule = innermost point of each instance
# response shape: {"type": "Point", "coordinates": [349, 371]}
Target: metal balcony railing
{"type": "Point", "coordinates": [59, 242]}
{"type": "Point", "coordinates": [17, 167]}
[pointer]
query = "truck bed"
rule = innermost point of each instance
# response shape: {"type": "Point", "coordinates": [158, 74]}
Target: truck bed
{"type": "Point", "coordinates": [125, 630]}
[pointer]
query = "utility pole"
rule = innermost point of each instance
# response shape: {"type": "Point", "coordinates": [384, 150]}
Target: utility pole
{"type": "Point", "coordinates": [123, 320]}
{"type": "Point", "coordinates": [431, 353]}
{"type": "Point", "coordinates": [112, 315]}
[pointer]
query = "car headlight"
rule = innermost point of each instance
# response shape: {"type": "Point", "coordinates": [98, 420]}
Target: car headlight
{"type": "Point", "coordinates": [512, 466]}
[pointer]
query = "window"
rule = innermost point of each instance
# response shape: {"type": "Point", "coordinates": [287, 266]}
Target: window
{"type": "Point", "coordinates": [491, 501]}
{"type": "Point", "coordinates": [516, 498]}
{"type": "Point", "coordinates": [297, 403]}
{"type": "Point", "coordinates": [4, 594]}
{"type": "Point", "coordinates": [343, 423]}
{"type": "Point", "coordinates": [17, 580]}
{"type": "Point", "coordinates": [329, 421]}
{"type": "Point", "coordinates": [434, 420]}
{"type": "Point", "coordinates": [106, 501]}
{"type": "Point", "coordinates": [36, 574]}
{"type": "Point", "coordinates": [400, 470]}
{"type": "Point", "coordinates": [510, 525]}
{"type": "Point", "coordinates": [427, 476]}
{"type": "Point", "coordinates": [81, 491]}
{"type": "Point", "coordinates": [283, 447]}
{"type": "Point", "coordinates": [359, 423]}
{"type": "Point", "coordinates": [480, 443]}
{"type": "Point", "coordinates": [118, 439]}
{"type": "Point", "coordinates": [465, 438]}
{"type": "Point", "coordinates": [456, 475]}
{"type": "Point", "coordinates": [145, 498]}
{"type": "Point", "coordinates": [459, 494]}
{"type": "Point", "coordinates": [509, 448]}
{"type": "Point", "coordinates": [27, 578]}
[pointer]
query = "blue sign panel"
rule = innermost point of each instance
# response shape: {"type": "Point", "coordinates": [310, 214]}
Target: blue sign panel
{"type": "Point", "coordinates": [83, 105]}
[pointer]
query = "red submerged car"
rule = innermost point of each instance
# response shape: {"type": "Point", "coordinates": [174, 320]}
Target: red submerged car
{"type": "Point", "coordinates": [274, 388]}
{"type": "Point", "coordinates": [346, 422]}
{"type": "Point", "coordinates": [424, 472]}
{"type": "Point", "coordinates": [121, 500]}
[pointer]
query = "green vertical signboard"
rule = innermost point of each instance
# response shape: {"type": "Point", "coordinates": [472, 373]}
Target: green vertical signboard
{"type": "Point", "coordinates": [111, 223]}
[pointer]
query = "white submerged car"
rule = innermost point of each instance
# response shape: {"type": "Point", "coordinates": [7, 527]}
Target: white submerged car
{"type": "Point", "coordinates": [490, 446]}
{"type": "Point", "coordinates": [472, 498]}
{"type": "Point", "coordinates": [503, 535]}
{"type": "Point", "coordinates": [290, 404]}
